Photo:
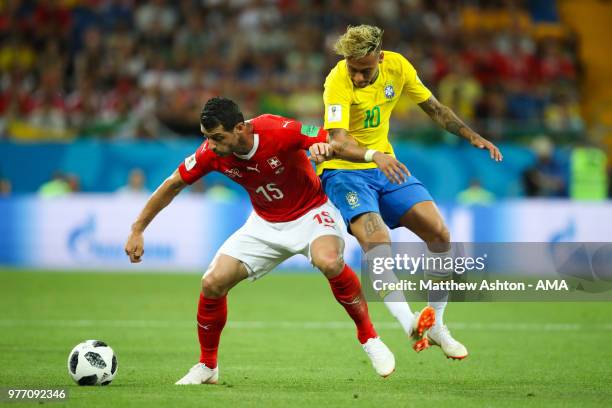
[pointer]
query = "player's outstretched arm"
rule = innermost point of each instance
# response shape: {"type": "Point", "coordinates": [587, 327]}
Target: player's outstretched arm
{"type": "Point", "coordinates": [447, 119]}
{"type": "Point", "coordinates": [165, 193]}
{"type": "Point", "coordinates": [346, 148]}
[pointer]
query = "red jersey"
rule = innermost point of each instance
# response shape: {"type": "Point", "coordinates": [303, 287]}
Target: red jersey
{"type": "Point", "coordinates": [276, 173]}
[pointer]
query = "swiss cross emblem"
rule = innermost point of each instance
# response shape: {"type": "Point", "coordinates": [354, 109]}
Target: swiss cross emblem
{"type": "Point", "coordinates": [274, 162]}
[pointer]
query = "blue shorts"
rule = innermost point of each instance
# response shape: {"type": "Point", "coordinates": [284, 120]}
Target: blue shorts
{"type": "Point", "coordinates": [356, 192]}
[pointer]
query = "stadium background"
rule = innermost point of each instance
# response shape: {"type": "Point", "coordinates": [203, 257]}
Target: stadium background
{"type": "Point", "coordinates": [99, 102]}
{"type": "Point", "coordinates": [97, 93]}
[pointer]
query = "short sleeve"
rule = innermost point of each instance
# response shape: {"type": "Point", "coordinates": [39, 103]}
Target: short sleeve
{"type": "Point", "coordinates": [413, 87]}
{"type": "Point", "coordinates": [337, 100]}
{"type": "Point", "coordinates": [200, 163]}
{"type": "Point", "coordinates": [301, 136]}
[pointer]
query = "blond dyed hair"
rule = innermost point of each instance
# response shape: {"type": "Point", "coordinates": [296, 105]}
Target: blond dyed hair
{"type": "Point", "coordinates": [359, 41]}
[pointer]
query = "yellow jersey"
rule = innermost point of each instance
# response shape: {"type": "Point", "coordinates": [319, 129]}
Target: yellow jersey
{"type": "Point", "coordinates": [365, 112]}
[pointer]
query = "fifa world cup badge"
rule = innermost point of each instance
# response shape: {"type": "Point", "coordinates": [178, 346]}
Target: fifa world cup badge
{"type": "Point", "coordinates": [389, 91]}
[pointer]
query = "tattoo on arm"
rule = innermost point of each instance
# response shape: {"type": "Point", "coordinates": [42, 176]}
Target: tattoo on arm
{"type": "Point", "coordinates": [339, 147]}
{"type": "Point", "coordinates": [445, 117]}
{"type": "Point", "coordinates": [344, 146]}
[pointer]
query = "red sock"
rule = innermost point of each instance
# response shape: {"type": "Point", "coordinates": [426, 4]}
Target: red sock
{"type": "Point", "coordinates": [347, 290]}
{"type": "Point", "coordinates": [212, 315]}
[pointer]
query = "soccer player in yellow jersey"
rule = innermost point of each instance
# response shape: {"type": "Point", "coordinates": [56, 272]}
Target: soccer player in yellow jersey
{"type": "Point", "coordinates": [379, 192]}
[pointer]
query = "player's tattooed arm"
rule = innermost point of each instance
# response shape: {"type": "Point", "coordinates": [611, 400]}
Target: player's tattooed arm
{"type": "Point", "coordinates": [165, 193]}
{"type": "Point", "coordinates": [447, 119]}
{"type": "Point", "coordinates": [346, 148]}
{"type": "Point", "coordinates": [343, 146]}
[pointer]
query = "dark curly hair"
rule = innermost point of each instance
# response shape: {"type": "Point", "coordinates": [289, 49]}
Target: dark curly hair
{"type": "Point", "coordinates": [220, 111]}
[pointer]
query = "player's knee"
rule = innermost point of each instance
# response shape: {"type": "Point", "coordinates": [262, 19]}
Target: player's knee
{"type": "Point", "coordinates": [374, 239]}
{"type": "Point", "coordinates": [439, 235]}
{"type": "Point", "coordinates": [443, 235]}
{"type": "Point", "coordinates": [212, 287]}
{"type": "Point", "coordinates": [330, 264]}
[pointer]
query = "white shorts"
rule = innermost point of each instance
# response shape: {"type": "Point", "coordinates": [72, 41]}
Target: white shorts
{"type": "Point", "coordinates": [262, 245]}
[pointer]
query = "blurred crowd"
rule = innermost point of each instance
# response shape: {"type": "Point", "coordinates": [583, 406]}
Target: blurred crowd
{"type": "Point", "coordinates": [126, 69]}
{"type": "Point", "coordinates": [63, 184]}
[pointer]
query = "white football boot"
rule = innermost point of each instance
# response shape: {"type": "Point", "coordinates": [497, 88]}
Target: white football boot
{"type": "Point", "coordinates": [440, 336]}
{"type": "Point", "coordinates": [423, 321]}
{"type": "Point", "coordinates": [200, 374]}
{"type": "Point", "coordinates": [381, 357]}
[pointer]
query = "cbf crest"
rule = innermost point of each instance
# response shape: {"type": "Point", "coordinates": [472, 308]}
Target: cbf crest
{"type": "Point", "coordinates": [389, 91]}
{"type": "Point", "coordinates": [352, 199]}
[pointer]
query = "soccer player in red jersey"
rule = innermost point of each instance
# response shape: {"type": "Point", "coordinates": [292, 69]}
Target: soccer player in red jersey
{"type": "Point", "coordinates": [292, 215]}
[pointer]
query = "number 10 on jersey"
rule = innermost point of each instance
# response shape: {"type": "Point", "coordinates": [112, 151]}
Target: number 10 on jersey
{"type": "Point", "coordinates": [372, 118]}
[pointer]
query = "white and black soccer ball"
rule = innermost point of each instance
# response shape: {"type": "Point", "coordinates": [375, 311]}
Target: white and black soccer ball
{"type": "Point", "coordinates": [92, 362]}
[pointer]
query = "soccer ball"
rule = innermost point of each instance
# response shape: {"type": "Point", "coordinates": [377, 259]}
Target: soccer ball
{"type": "Point", "coordinates": [92, 362]}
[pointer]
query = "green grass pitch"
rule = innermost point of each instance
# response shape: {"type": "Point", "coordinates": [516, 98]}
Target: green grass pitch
{"type": "Point", "coordinates": [288, 343]}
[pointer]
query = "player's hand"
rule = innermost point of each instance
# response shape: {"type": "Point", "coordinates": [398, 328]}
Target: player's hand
{"type": "Point", "coordinates": [482, 143]}
{"type": "Point", "coordinates": [320, 152]}
{"type": "Point", "coordinates": [134, 247]}
{"type": "Point", "coordinates": [395, 170]}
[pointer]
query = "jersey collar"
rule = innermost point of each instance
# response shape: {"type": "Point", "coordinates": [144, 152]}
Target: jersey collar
{"type": "Point", "coordinates": [253, 150]}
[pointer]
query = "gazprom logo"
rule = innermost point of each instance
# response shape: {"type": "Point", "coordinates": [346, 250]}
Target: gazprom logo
{"type": "Point", "coordinates": [84, 244]}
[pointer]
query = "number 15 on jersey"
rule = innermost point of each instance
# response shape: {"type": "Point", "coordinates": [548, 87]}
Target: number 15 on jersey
{"type": "Point", "coordinates": [270, 192]}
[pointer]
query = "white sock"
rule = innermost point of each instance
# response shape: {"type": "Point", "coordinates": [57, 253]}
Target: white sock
{"type": "Point", "coordinates": [400, 310]}
{"type": "Point", "coordinates": [394, 301]}
{"type": "Point", "coordinates": [438, 299]}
